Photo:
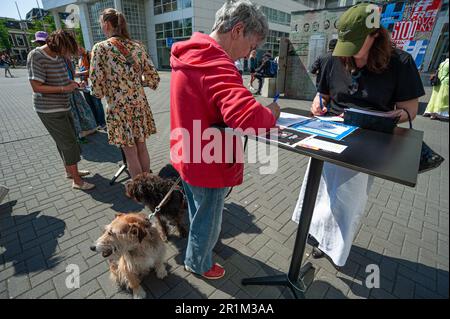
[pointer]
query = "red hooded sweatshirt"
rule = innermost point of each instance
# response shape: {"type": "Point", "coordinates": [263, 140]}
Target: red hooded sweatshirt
{"type": "Point", "coordinates": [207, 89]}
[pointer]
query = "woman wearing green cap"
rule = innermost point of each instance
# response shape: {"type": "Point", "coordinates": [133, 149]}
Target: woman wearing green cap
{"type": "Point", "coordinates": [366, 71]}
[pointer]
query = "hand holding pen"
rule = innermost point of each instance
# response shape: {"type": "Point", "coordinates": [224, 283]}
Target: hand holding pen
{"type": "Point", "coordinates": [319, 106]}
{"type": "Point", "coordinates": [274, 107]}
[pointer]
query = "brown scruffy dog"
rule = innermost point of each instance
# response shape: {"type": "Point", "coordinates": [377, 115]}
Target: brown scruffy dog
{"type": "Point", "coordinates": [150, 189]}
{"type": "Point", "coordinates": [133, 246]}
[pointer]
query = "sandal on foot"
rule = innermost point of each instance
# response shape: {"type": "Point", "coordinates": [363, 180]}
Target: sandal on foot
{"type": "Point", "coordinates": [84, 187]}
{"type": "Point", "coordinates": [81, 173]}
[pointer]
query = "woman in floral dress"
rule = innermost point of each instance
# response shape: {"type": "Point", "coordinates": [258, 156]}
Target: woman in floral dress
{"type": "Point", "coordinates": [120, 68]}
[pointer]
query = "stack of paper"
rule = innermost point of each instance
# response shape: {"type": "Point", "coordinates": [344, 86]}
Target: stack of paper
{"type": "Point", "coordinates": [288, 119]}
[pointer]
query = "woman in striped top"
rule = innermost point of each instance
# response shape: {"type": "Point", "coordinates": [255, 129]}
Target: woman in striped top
{"type": "Point", "coordinates": [51, 90]}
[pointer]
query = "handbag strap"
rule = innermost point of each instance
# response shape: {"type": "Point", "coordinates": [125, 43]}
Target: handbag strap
{"type": "Point", "coordinates": [128, 56]}
{"type": "Point", "coordinates": [409, 118]}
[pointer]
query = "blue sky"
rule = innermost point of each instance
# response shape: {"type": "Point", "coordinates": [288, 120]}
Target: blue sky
{"type": "Point", "coordinates": [8, 8]}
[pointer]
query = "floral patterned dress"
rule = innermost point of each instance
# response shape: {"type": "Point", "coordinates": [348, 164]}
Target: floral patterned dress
{"type": "Point", "coordinates": [129, 117]}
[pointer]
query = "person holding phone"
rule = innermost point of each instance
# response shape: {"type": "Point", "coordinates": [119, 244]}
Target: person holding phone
{"type": "Point", "coordinates": [52, 87]}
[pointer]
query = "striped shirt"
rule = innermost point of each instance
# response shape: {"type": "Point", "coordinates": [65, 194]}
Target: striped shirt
{"type": "Point", "coordinates": [50, 71]}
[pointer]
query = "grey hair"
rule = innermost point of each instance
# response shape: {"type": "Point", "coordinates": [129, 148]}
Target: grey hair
{"type": "Point", "coordinates": [235, 11]}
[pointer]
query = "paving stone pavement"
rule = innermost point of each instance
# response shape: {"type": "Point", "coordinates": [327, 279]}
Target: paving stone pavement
{"type": "Point", "coordinates": [45, 226]}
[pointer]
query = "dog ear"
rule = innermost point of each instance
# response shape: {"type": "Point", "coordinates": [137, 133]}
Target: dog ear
{"type": "Point", "coordinates": [137, 231]}
{"type": "Point", "coordinates": [118, 215]}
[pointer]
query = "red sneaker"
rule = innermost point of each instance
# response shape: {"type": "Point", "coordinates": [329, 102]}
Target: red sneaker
{"type": "Point", "coordinates": [216, 272]}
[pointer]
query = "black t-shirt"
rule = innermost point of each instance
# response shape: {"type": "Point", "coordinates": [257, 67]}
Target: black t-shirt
{"type": "Point", "coordinates": [316, 67]}
{"type": "Point", "coordinates": [400, 82]}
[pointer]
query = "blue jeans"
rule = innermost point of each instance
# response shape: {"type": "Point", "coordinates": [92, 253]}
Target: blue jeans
{"type": "Point", "coordinates": [97, 108]}
{"type": "Point", "coordinates": [205, 216]}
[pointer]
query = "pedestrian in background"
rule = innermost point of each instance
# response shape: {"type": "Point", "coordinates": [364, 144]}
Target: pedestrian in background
{"type": "Point", "coordinates": [5, 63]}
{"type": "Point", "coordinates": [438, 106]}
{"type": "Point", "coordinates": [239, 66]}
{"type": "Point", "coordinates": [316, 67]}
{"type": "Point", "coordinates": [252, 63]}
{"type": "Point", "coordinates": [39, 38]}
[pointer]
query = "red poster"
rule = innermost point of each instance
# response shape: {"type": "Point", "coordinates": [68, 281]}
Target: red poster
{"type": "Point", "coordinates": [404, 30]}
{"type": "Point", "coordinates": [425, 8]}
{"type": "Point", "coordinates": [421, 18]}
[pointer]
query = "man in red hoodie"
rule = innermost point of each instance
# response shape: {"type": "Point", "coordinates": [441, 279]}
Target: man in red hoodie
{"type": "Point", "coordinates": [207, 90]}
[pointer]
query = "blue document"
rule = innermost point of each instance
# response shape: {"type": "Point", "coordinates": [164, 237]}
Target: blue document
{"type": "Point", "coordinates": [332, 130]}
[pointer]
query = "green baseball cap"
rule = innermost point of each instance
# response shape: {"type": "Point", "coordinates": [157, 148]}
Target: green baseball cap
{"type": "Point", "coordinates": [353, 27]}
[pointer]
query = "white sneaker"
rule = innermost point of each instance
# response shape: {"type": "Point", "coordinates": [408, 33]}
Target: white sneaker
{"type": "Point", "coordinates": [3, 192]}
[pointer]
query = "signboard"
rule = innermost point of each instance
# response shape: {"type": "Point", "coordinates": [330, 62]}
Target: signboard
{"type": "Point", "coordinates": [169, 42]}
{"type": "Point", "coordinates": [411, 25]}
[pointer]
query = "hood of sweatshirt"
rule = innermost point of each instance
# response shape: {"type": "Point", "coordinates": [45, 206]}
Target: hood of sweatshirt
{"type": "Point", "coordinates": [200, 51]}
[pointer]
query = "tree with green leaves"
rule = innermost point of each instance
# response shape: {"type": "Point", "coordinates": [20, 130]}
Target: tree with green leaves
{"type": "Point", "coordinates": [4, 37]}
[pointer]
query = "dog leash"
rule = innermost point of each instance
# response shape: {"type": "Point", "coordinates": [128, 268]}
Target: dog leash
{"type": "Point", "coordinates": [164, 200]}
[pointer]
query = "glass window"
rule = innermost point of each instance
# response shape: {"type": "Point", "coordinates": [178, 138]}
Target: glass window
{"type": "Point", "coordinates": [168, 33]}
{"type": "Point", "coordinates": [276, 16]}
{"type": "Point", "coordinates": [332, 4]}
{"type": "Point", "coordinates": [178, 30]}
{"type": "Point", "coordinates": [94, 11]}
{"type": "Point", "coordinates": [168, 26]}
{"type": "Point", "coordinates": [186, 4]}
{"type": "Point", "coordinates": [134, 11]}
{"type": "Point", "coordinates": [163, 6]}
{"type": "Point", "coordinates": [19, 40]}
{"type": "Point", "coordinates": [177, 24]}
{"type": "Point", "coordinates": [273, 42]}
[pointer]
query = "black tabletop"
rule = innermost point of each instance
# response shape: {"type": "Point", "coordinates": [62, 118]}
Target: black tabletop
{"type": "Point", "coordinates": [394, 157]}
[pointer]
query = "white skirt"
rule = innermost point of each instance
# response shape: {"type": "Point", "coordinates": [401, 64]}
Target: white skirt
{"type": "Point", "coordinates": [340, 205]}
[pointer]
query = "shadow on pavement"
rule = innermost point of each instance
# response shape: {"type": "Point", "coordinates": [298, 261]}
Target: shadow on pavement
{"type": "Point", "coordinates": [38, 232]}
{"type": "Point", "coordinates": [99, 150]}
{"type": "Point", "coordinates": [114, 195]}
{"type": "Point", "coordinates": [399, 278]}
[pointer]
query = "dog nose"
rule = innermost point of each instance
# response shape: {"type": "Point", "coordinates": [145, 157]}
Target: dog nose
{"type": "Point", "coordinates": [93, 248]}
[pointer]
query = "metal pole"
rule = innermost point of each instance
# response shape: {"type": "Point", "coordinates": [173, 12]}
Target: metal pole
{"type": "Point", "coordinates": [312, 187]}
{"type": "Point", "coordinates": [18, 11]}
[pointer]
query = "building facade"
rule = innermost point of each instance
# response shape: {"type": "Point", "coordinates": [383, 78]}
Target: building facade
{"type": "Point", "coordinates": [18, 38]}
{"type": "Point", "coordinates": [438, 47]}
{"type": "Point", "coordinates": [160, 23]}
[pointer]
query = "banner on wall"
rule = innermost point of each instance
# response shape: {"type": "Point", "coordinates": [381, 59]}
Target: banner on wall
{"type": "Point", "coordinates": [411, 24]}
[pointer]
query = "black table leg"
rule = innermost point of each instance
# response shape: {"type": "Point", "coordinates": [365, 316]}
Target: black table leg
{"type": "Point", "coordinates": [297, 274]}
{"type": "Point", "coordinates": [122, 168]}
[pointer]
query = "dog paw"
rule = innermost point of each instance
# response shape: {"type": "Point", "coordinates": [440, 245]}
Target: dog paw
{"type": "Point", "coordinates": [161, 272]}
{"type": "Point", "coordinates": [139, 293]}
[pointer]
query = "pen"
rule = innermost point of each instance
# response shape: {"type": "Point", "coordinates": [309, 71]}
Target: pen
{"type": "Point", "coordinates": [275, 99]}
{"type": "Point", "coordinates": [314, 148]}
